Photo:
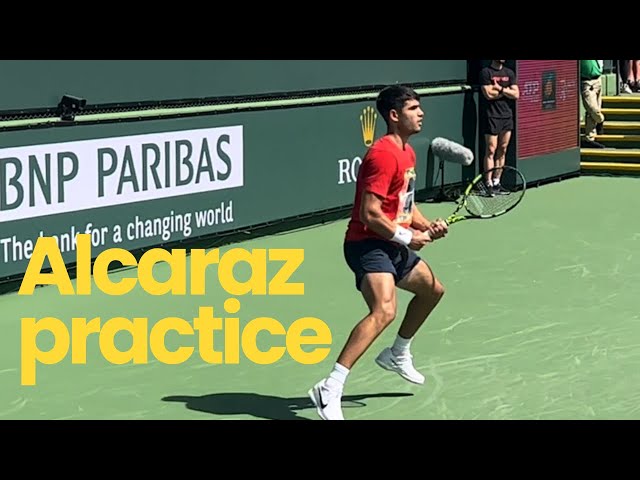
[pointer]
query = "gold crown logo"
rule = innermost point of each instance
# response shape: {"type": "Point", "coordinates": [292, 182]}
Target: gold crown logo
{"type": "Point", "coordinates": [368, 122]}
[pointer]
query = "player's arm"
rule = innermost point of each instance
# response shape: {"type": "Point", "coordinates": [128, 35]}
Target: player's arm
{"type": "Point", "coordinates": [376, 174]}
{"type": "Point", "coordinates": [374, 219]}
{"type": "Point", "coordinates": [419, 222]}
{"type": "Point", "coordinates": [436, 229]}
{"type": "Point", "coordinates": [512, 91]}
{"type": "Point", "coordinates": [490, 90]}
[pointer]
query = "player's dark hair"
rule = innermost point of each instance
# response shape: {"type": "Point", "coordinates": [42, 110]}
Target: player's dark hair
{"type": "Point", "coordinates": [394, 97]}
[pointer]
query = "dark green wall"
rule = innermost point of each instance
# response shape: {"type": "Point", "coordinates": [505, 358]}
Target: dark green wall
{"type": "Point", "coordinates": [293, 163]}
{"type": "Point", "coordinates": [296, 161]}
{"type": "Point", "coordinates": [553, 165]}
{"type": "Point", "coordinates": [29, 84]}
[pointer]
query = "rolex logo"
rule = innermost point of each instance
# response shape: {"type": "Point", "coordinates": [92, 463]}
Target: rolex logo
{"type": "Point", "coordinates": [368, 122]}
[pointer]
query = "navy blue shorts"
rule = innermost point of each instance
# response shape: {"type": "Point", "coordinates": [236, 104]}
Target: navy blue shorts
{"type": "Point", "coordinates": [372, 256]}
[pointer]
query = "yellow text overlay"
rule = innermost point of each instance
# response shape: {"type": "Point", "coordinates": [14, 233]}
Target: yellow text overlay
{"type": "Point", "coordinates": [198, 334]}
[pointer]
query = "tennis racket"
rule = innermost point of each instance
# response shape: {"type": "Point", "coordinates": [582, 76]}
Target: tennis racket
{"type": "Point", "coordinates": [480, 202]}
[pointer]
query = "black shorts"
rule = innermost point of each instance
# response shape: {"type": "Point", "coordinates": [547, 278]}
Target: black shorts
{"type": "Point", "coordinates": [372, 256]}
{"type": "Point", "coordinates": [496, 126]}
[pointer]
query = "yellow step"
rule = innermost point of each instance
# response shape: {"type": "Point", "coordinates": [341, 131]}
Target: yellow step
{"type": "Point", "coordinates": [611, 137]}
{"type": "Point", "coordinates": [620, 111]}
{"type": "Point", "coordinates": [620, 140]}
{"type": "Point", "coordinates": [619, 124]}
{"type": "Point", "coordinates": [626, 99]}
{"type": "Point", "coordinates": [618, 167]}
{"type": "Point", "coordinates": [604, 152]}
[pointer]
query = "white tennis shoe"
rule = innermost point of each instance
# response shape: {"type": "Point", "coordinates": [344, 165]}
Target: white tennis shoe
{"type": "Point", "coordinates": [402, 365]}
{"type": "Point", "coordinates": [328, 402]}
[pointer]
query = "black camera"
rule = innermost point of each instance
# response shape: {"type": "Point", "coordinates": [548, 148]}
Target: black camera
{"type": "Point", "coordinates": [69, 106]}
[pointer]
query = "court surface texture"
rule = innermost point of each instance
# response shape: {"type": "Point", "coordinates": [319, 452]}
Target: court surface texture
{"type": "Point", "coordinates": [540, 320]}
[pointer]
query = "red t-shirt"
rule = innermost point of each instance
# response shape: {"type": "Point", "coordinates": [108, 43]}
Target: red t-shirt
{"type": "Point", "coordinates": [389, 172]}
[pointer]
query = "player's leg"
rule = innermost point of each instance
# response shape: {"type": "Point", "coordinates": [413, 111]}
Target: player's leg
{"type": "Point", "coordinates": [418, 279]}
{"type": "Point", "coordinates": [375, 278]}
{"type": "Point", "coordinates": [379, 292]}
{"type": "Point", "coordinates": [491, 144]}
{"type": "Point", "coordinates": [504, 137]}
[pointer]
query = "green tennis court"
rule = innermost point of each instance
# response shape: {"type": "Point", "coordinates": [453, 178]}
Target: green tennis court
{"type": "Point", "coordinates": [540, 320]}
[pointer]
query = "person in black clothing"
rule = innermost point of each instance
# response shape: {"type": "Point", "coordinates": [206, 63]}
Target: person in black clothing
{"type": "Point", "coordinates": [498, 85]}
{"type": "Point", "coordinates": [623, 70]}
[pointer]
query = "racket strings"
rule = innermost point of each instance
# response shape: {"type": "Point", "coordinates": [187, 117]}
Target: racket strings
{"type": "Point", "coordinates": [482, 202]}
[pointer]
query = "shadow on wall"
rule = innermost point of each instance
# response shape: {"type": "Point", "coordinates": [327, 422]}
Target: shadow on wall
{"type": "Point", "coordinates": [470, 134]}
{"type": "Point", "coordinates": [433, 175]}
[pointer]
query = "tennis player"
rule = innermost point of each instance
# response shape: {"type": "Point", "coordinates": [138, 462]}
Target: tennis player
{"type": "Point", "coordinates": [384, 233]}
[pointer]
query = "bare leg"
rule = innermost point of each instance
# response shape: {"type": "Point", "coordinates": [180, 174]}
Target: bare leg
{"type": "Point", "coordinates": [379, 292]}
{"type": "Point", "coordinates": [428, 292]}
{"type": "Point", "coordinates": [492, 143]}
{"type": "Point", "coordinates": [501, 153]}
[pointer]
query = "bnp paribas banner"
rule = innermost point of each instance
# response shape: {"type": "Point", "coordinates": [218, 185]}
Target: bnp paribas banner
{"type": "Point", "coordinates": [45, 180]}
{"type": "Point", "coordinates": [148, 183]}
{"type": "Point", "coordinates": [110, 188]}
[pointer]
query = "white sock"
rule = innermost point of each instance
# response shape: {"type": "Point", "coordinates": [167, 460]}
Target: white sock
{"type": "Point", "coordinates": [496, 182]}
{"type": "Point", "coordinates": [337, 377]}
{"type": "Point", "coordinates": [401, 345]}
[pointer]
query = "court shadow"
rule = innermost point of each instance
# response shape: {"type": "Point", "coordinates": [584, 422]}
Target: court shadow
{"type": "Point", "coordinates": [265, 406]}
